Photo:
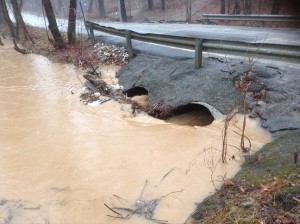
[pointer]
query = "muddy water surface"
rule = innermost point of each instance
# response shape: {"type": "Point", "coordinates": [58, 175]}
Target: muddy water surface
{"type": "Point", "coordinates": [60, 160]}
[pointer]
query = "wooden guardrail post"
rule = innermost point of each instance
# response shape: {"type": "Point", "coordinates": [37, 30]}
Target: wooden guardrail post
{"type": "Point", "coordinates": [92, 35]}
{"type": "Point", "coordinates": [129, 44]}
{"type": "Point", "coordinates": [198, 52]}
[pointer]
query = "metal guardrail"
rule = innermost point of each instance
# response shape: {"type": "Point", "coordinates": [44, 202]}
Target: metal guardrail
{"type": "Point", "coordinates": [261, 18]}
{"type": "Point", "coordinates": [255, 50]}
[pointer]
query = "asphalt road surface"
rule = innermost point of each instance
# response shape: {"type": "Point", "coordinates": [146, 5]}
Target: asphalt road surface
{"type": "Point", "coordinates": [231, 33]}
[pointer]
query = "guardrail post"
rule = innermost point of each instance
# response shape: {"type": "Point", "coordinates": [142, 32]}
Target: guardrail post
{"type": "Point", "coordinates": [92, 35]}
{"type": "Point", "coordinates": [129, 44]}
{"type": "Point", "coordinates": [198, 52]}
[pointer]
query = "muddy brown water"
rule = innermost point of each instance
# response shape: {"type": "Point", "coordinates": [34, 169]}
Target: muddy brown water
{"type": "Point", "coordinates": [61, 160]}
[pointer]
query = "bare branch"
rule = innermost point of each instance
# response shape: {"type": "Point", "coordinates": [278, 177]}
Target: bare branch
{"type": "Point", "coordinates": [113, 210]}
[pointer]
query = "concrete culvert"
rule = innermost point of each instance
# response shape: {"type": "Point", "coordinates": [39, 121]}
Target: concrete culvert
{"type": "Point", "coordinates": [193, 114]}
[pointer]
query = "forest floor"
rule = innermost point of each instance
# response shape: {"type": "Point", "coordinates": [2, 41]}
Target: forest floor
{"type": "Point", "coordinates": [266, 190]}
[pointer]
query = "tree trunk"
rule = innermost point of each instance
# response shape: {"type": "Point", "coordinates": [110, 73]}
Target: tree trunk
{"type": "Point", "coordinates": [228, 7]}
{"type": "Point", "coordinates": [19, 20]}
{"type": "Point", "coordinates": [163, 5]}
{"type": "Point", "coordinates": [237, 8]}
{"type": "Point", "coordinates": [247, 7]}
{"type": "Point", "coordinates": [150, 5]}
{"type": "Point", "coordinates": [52, 24]}
{"type": "Point", "coordinates": [7, 19]}
{"type": "Point", "coordinates": [101, 8]}
{"type": "Point", "coordinates": [59, 7]}
{"type": "Point", "coordinates": [1, 17]}
{"type": "Point", "coordinates": [72, 22]}
{"type": "Point", "coordinates": [275, 7]}
{"type": "Point", "coordinates": [222, 11]}
{"type": "Point", "coordinates": [259, 6]}
{"type": "Point", "coordinates": [122, 10]}
{"type": "Point", "coordinates": [90, 6]}
{"type": "Point", "coordinates": [188, 10]}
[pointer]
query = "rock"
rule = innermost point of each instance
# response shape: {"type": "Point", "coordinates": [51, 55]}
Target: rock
{"type": "Point", "coordinates": [261, 103]}
{"type": "Point", "coordinates": [253, 114]}
{"type": "Point", "coordinates": [248, 203]}
{"type": "Point", "coordinates": [111, 54]}
{"type": "Point", "coordinates": [256, 87]}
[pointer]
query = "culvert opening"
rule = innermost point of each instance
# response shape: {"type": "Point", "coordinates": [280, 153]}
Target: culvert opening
{"type": "Point", "coordinates": [136, 91]}
{"type": "Point", "coordinates": [191, 115]}
{"type": "Point", "coordinates": [139, 95]}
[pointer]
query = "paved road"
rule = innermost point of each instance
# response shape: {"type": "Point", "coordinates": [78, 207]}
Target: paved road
{"type": "Point", "coordinates": [233, 33]}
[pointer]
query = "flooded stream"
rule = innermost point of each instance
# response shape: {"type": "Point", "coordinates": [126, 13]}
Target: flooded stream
{"type": "Point", "coordinates": [61, 160]}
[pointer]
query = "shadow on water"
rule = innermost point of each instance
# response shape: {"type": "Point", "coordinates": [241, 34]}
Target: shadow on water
{"type": "Point", "coordinates": [191, 115]}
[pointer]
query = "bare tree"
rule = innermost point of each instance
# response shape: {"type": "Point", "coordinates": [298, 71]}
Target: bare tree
{"type": "Point", "coordinates": [163, 5]}
{"type": "Point", "coordinates": [188, 10]}
{"type": "Point", "coordinates": [259, 6]}
{"type": "Point", "coordinates": [60, 6]}
{"type": "Point", "coordinates": [276, 7]}
{"type": "Point", "coordinates": [222, 11]}
{"type": "Point", "coordinates": [59, 41]}
{"type": "Point", "coordinates": [2, 21]}
{"type": "Point", "coordinates": [247, 7]}
{"type": "Point", "coordinates": [19, 21]}
{"type": "Point", "coordinates": [4, 10]}
{"type": "Point", "coordinates": [90, 6]}
{"type": "Point", "coordinates": [72, 22]}
{"type": "Point", "coordinates": [101, 8]}
{"type": "Point", "coordinates": [237, 8]}
{"type": "Point", "coordinates": [122, 10]}
{"type": "Point", "coordinates": [150, 5]}
{"type": "Point", "coordinates": [228, 7]}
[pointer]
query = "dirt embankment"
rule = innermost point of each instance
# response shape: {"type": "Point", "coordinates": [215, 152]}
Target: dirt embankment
{"type": "Point", "coordinates": [267, 190]}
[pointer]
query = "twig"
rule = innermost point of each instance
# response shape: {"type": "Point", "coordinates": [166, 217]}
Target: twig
{"type": "Point", "coordinates": [143, 189]}
{"type": "Point", "coordinates": [174, 192]}
{"type": "Point", "coordinates": [250, 145]}
{"type": "Point", "coordinates": [215, 58]}
{"type": "Point", "coordinates": [268, 66]}
{"type": "Point", "coordinates": [193, 161]}
{"type": "Point", "coordinates": [105, 101]}
{"type": "Point", "coordinates": [120, 198]}
{"type": "Point", "coordinates": [113, 210]}
{"type": "Point", "coordinates": [230, 72]}
{"type": "Point", "coordinates": [231, 115]}
{"type": "Point", "coordinates": [173, 72]}
{"type": "Point", "coordinates": [227, 120]}
{"type": "Point", "coordinates": [159, 221]}
{"type": "Point", "coordinates": [125, 209]}
{"type": "Point", "coordinates": [116, 217]}
{"type": "Point", "coordinates": [167, 174]}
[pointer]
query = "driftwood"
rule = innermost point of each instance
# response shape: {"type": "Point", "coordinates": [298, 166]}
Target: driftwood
{"type": "Point", "coordinates": [94, 71]}
{"type": "Point", "coordinates": [22, 51]}
{"type": "Point", "coordinates": [144, 208]}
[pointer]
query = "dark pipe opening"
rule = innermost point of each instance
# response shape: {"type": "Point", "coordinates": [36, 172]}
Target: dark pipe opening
{"type": "Point", "coordinates": [191, 115]}
{"type": "Point", "coordinates": [136, 91]}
